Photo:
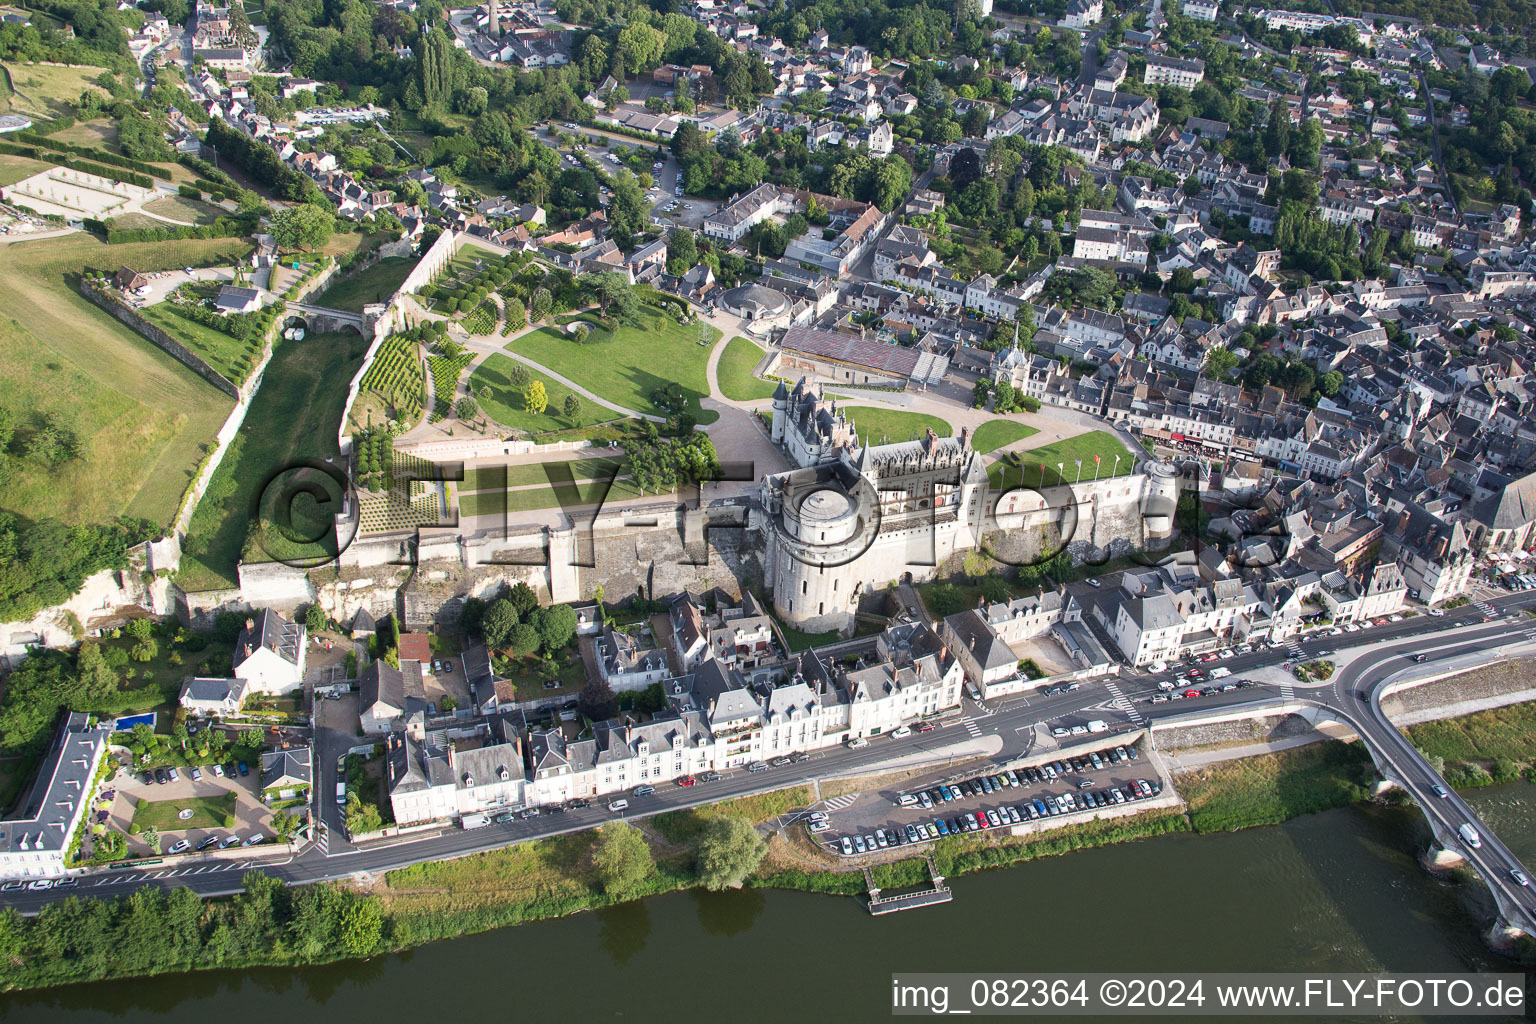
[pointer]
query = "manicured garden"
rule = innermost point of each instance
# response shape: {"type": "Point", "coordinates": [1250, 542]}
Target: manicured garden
{"type": "Point", "coordinates": [226, 354]}
{"type": "Point", "coordinates": [630, 365]}
{"type": "Point", "coordinates": [883, 426]}
{"type": "Point", "coordinates": [501, 399]}
{"type": "Point", "coordinates": [1025, 469]}
{"type": "Point", "coordinates": [734, 372]}
{"type": "Point", "coordinates": [995, 434]}
{"type": "Point", "coordinates": [165, 815]}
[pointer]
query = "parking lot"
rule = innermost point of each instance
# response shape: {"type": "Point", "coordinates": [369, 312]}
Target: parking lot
{"type": "Point", "coordinates": [202, 796]}
{"type": "Point", "coordinates": [1082, 781]}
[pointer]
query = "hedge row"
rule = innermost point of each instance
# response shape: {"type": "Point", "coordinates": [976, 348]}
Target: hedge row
{"type": "Point", "coordinates": [116, 174]}
{"type": "Point", "coordinates": [224, 227]}
{"type": "Point", "coordinates": [95, 153]}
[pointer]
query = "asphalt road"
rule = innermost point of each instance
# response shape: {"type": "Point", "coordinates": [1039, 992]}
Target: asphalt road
{"type": "Point", "coordinates": [1013, 720]}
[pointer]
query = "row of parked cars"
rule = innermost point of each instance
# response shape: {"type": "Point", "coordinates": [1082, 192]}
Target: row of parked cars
{"type": "Point", "coordinates": [215, 840]}
{"type": "Point", "coordinates": [164, 775]}
{"type": "Point", "coordinates": [1193, 692]}
{"type": "Point", "coordinates": [1046, 805]}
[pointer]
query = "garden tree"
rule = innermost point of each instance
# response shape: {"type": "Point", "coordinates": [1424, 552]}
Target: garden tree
{"type": "Point", "coordinates": [628, 209]}
{"type": "Point", "coordinates": [361, 818]}
{"type": "Point", "coordinates": [964, 168]}
{"type": "Point", "coordinates": [285, 824]}
{"type": "Point", "coordinates": [315, 618]}
{"type": "Point", "coordinates": [641, 47]}
{"type": "Point", "coordinates": [145, 650]}
{"type": "Point", "coordinates": [150, 837]}
{"type": "Point", "coordinates": [539, 304]}
{"type": "Point", "coordinates": [304, 226]}
{"type": "Point", "coordinates": [1330, 383]}
{"type": "Point", "coordinates": [580, 333]}
{"type": "Point", "coordinates": [109, 846]}
{"type": "Point", "coordinates": [466, 408]}
{"type": "Point", "coordinates": [615, 296]}
{"type": "Point", "coordinates": [1219, 362]}
{"type": "Point", "coordinates": [597, 700]}
{"type": "Point", "coordinates": [498, 622]}
{"type": "Point", "coordinates": [980, 391]}
{"type": "Point", "coordinates": [519, 377]}
{"type": "Point", "coordinates": [729, 850]}
{"type": "Point", "coordinates": [976, 564]}
{"type": "Point", "coordinates": [523, 598]}
{"type": "Point", "coordinates": [571, 407]}
{"type": "Point", "coordinates": [1277, 130]}
{"type": "Point", "coordinates": [1191, 186]}
{"type": "Point", "coordinates": [524, 640]}
{"type": "Point", "coordinates": [516, 313]}
{"type": "Point", "coordinates": [97, 680]}
{"type": "Point", "coordinates": [434, 67]}
{"type": "Point", "coordinates": [682, 251]}
{"type": "Point", "coordinates": [622, 858]}
{"type": "Point", "coordinates": [139, 629]}
{"type": "Point", "coordinates": [557, 627]}
{"type": "Point", "coordinates": [535, 399]}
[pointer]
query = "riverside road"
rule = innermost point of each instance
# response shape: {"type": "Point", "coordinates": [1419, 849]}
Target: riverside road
{"type": "Point", "coordinates": [1466, 631]}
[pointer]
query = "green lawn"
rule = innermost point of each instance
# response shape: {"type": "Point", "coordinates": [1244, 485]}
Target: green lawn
{"type": "Point", "coordinates": [735, 372]}
{"type": "Point", "coordinates": [217, 349]}
{"type": "Point", "coordinates": [561, 495]}
{"type": "Point", "coordinates": [995, 434]}
{"type": "Point", "coordinates": [47, 91]}
{"type": "Point", "coordinates": [1084, 446]}
{"type": "Point", "coordinates": [628, 365]}
{"type": "Point", "coordinates": [145, 419]}
{"type": "Point", "coordinates": [491, 384]}
{"type": "Point", "coordinates": [294, 417]}
{"type": "Point", "coordinates": [372, 284]}
{"type": "Point", "coordinates": [878, 425]}
{"type": "Point", "coordinates": [490, 477]}
{"type": "Point", "coordinates": [164, 815]}
{"type": "Point", "coordinates": [192, 211]}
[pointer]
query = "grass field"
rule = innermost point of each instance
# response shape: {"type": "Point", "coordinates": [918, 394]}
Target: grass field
{"type": "Point", "coordinates": [735, 372]}
{"type": "Point", "coordinates": [190, 211]}
{"type": "Point", "coordinates": [1272, 788]}
{"type": "Point", "coordinates": [518, 476]}
{"type": "Point", "coordinates": [491, 384]}
{"type": "Point", "coordinates": [101, 133]}
{"type": "Point", "coordinates": [685, 826]}
{"type": "Point", "coordinates": [372, 284]}
{"type": "Point", "coordinates": [294, 417]}
{"type": "Point", "coordinates": [45, 91]}
{"type": "Point", "coordinates": [889, 425]}
{"type": "Point", "coordinates": [1084, 446]}
{"type": "Point", "coordinates": [217, 349]}
{"type": "Point", "coordinates": [164, 815]}
{"type": "Point", "coordinates": [15, 168]}
{"type": "Point", "coordinates": [629, 364]}
{"type": "Point", "coordinates": [1483, 736]}
{"type": "Point", "coordinates": [145, 417]}
{"type": "Point", "coordinates": [995, 434]}
{"type": "Point", "coordinates": [562, 495]}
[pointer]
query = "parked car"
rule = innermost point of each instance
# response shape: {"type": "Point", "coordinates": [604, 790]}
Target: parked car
{"type": "Point", "coordinates": [687, 780]}
{"type": "Point", "coordinates": [180, 846]}
{"type": "Point", "coordinates": [227, 843]}
{"type": "Point", "coordinates": [259, 837]}
{"type": "Point", "coordinates": [644, 790]}
{"type": "Point", "coordinates": [207, 842]}
{"type": "Point", "coordinates": [244, 769]}
{"type": "Point", "coordinates": [926, 727]}
{"type": "Point", "coordinates": [196, 773]}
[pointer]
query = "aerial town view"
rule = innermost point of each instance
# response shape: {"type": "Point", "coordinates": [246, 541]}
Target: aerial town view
{"type": "Point", "coordinates": [986, 493]}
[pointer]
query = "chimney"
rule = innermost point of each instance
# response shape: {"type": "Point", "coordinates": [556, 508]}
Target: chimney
{"type": "Point", "coordinates": [250, 625]}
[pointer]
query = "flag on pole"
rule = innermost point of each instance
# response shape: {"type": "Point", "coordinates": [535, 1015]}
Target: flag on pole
{"type": "Point", "coordinates": [1095, 458]}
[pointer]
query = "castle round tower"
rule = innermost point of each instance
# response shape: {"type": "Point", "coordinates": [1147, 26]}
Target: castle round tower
{"type": "Point", "coordinates": [819, 536]}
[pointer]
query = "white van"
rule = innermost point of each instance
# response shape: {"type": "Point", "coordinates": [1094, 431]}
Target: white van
{"type": "Point", "coordinates": [901, 732]}
{"type": "Point", "coordinates": [1469, 834]}
{"type": "Point", "coordinates": [618, 805]}
{"type": "Point", "coordinates": [1158, 666]}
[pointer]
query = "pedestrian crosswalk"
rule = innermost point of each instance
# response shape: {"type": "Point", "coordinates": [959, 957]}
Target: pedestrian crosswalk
{"type": "Point", "coordinates": [971, 727]}
{"type": "Point", "coordinates": [1293, 647]}
{"type": "Point", "coordinates": [837, 803]}
{"type": "Point", "coordinates": [1287, 691]}
{"type": "Point", "coordinates": [1123, 703]}
{"type": "Point", "coordinates": [324, 840]}
{"type": "Point", "coordinates": [1487, 609]}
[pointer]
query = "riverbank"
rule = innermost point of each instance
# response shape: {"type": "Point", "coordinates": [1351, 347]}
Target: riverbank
{"type": "Point", "coordinates": [80, 940]}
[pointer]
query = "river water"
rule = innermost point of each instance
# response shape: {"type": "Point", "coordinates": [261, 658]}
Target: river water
{"type": "Point", "coordinates": [1338, 891]}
